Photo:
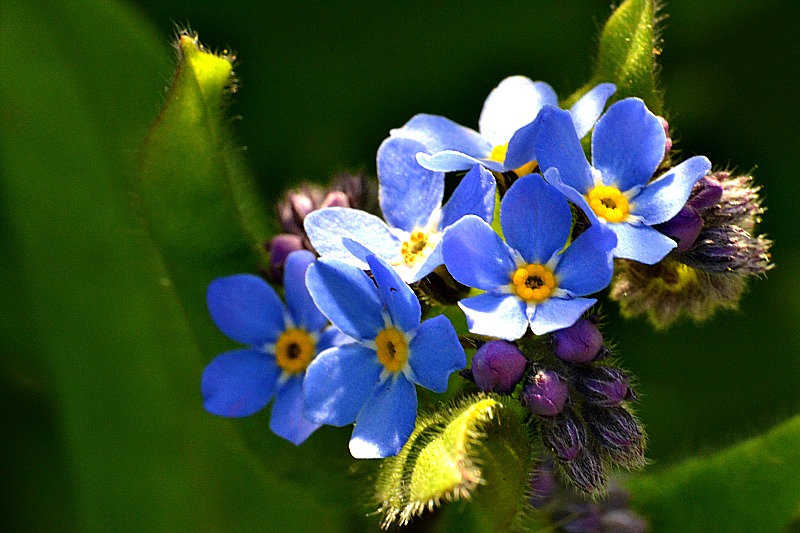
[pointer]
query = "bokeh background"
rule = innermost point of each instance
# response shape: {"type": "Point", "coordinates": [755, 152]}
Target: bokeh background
{"type": "Point", "coordinates": [95, 423]}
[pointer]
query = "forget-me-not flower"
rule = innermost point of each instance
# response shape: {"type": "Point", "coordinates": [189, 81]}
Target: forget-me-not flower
{"type": "Point", "coordinates": [411, 201]}
{"type": "Point", "coordinates": [530, 279]}
{"type": "Point", "coordinates": [281, 345]}
{"type": "Point", "coordinates": [506, 130]}
{"type": "Point", "coordinates": [615, 190]}
{"type": "Point", "coordinates": [371, 381]}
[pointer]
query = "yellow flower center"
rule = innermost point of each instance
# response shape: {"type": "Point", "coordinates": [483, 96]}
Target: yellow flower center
{"type": "Point", "coordinates": [392, 349]}
{"type": "Point", "coordinates": [413, 249]}
{"type": "Point", "coordinates": [294, 350]}
{"type": "Point", "coordinates": [609, 203]}
{"type": "Point", "coordinates": [533, 283]}
{"type": "Point", "coordinates": [499, 153]}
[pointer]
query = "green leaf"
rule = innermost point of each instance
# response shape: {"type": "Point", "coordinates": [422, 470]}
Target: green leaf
{"type": "Point", "coordinates": [477, 449]}
{"type": "Point", "coordinates": [626, 54]}
{"type": "Point", "coordinates": [752, 486]}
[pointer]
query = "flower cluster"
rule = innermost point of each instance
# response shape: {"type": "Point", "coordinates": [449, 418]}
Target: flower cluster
{"type": "Point", "coordinates": [353, 345]}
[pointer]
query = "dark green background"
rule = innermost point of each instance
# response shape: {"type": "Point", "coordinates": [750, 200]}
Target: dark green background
{"type": "Point", "coordinates": [320, 86]}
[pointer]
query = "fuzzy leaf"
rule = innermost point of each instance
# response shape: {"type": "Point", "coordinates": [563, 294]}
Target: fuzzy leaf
{"type": "Point", "coordinates": [626, 55]}
{"type": "Point", "coordinates": [477, 449]}
{"type": "Point", "coordinates": [752, 486]}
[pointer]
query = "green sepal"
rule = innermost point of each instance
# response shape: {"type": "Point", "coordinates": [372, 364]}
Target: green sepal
{"type": "Point", "coordinates": [629, 44]}
{"type": "Point", "coordinates": [477, 448]}
{"type": "Point", "coordinates": [751, 486]}
{"type": "Point", "coordinates": [198, 200]}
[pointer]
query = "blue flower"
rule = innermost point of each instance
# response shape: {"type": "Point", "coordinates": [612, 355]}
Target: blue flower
{"type": "Point", "coordinates": [371, 381]}
{"type": "Point", "coordinates": [506, 127]}
{"type": "Point", "coordinates": [615, 191]}
{"type": "Point", "coordinates": [411, 200]}
{"type": "Point", "coordinates": [280, 344]}
{"type": "Point", "coordinates": [531, 280]}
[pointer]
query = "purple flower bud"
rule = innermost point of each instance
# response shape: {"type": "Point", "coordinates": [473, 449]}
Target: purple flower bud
{"type": "Point", "coordinates": [565, 435]}
{"type": "Point", "coordinates": [587, 518]}
{"type": "Point", "coordinates": [587, 471]}
{"type": "Point", "coordinates": [706, 193]}
{"type": "Point", "coordinates": [298, 203]}
{"type": "Point", "coordinates": [603, 385]}
{"type": "Point", "coordinates": [335, 199]}
{"type": "Point", "coordinates": [579, 343]}
{"type": "Point", "coordinates": [546, 394]}
{"type": "Point", "coordinates": [543, 485]}
{"type": "Point", "coordinates": [280, 246]}
{"type": "Point", "coordinates": [683, 228]}
{"type": "Point", "coordinates": [668, 145]}
{"type": "Point", "coordinates": [618, 432]}
{"type": "Point", "coordinates": [498, 366]}
{"type": "Point", "coordinates": [623, 521]}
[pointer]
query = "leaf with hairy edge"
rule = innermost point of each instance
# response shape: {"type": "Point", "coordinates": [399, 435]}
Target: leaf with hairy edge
{"type": "Point", "coordinates": [751, 486]}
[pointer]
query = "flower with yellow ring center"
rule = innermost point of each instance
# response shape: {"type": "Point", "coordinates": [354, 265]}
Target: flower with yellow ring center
{"type": "Point", "coordinates": [499, 153]}
{"type": "Point", "coordinates": [414, 248]}
{"type": "Point", "coordinates": [294, 350]}
{"type": "Point", "coordinates": [392, 349]}
{"type": "Point", "coordinates": [609, 203]}
{"type": "Point", "coordinates": [533, 283]}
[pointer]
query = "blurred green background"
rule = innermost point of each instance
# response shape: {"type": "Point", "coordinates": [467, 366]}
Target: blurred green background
{"type": "Point", "coordinates": [99, 378]}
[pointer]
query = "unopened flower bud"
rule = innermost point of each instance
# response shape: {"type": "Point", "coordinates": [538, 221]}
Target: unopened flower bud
{"type": "Point", "coordinates": [579, 343]}
{"type": "Point", "coordinates": [587, 471]}
{"type": "Point", "coordinates": [618, 432]}
{"type": "Point", "coordinates": [297, 204]}
{"type": "Point", "coordinates": [546, 394]}
{"type": "Point", "coordinates": [335, 199]}
{"type": "Point", "coordinates": [706, 193]}
{"type": "Point", "coordinates": [603, 385]}
{"type": "Point", "coordinates": [543, 485]}
{"type": "Point", "coordinates": [279, 247]}
{"type": "Point", "coordinates": [498, 366]}
{"type": "Point", "coordinates": [683, 228]}
{"type": "Point", "coordinates": [668, 145]}
{"type": "Point", "coordinates": [565, 435]}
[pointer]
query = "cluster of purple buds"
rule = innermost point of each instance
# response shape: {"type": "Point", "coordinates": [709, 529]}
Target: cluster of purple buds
{"type": "Point", "coordinates": [577, 398]}
{"type": "Point", "coordinates": [570, 512]}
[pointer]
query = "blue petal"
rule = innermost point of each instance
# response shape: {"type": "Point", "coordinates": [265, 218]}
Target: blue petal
{"type": "Point", "coordinates": [327, 227]}
{"type": "Point", "coordinates": [435, 353]}
{"type": "Point", "coordinates": [495, 314]}
{"type": "Point", "coordinates": [332, 337]}
{"type": "Point", "coordinates": [287, 418]}
{"type": "Point", "coordinates": [408, 193]}
{"type": "Point", "coordinates": [301, 307]}
{"type": "Point", "coordinates": [641, 243]}
{"type": "Point", "coordinates": [347, 297]}
{"type": "Point", "coordinates": [338, 383]}
{"type": "Point", "coordinates": [558, 313]}
{"type": "Point", "coordinates": [663, 198]}
{"type": "Point", "coordinates": [451, 161]}
{"type": "Point", "coordinates": [246, 309]}
{"type": "Point", "coordinates": [522, 146]}
{"type": "Point", "coordinates": [586, 111]}
{"type": "Point", "coordinates": [239, 383]}
{"type": "Point", "coordinates": [535, 218]}
{"type": "Point", "coordinates": [400, 301]}
{"type": "Point", "coordinates": [588, 263]}
{"type": "Point", "coordinates": [557, 145]}
{"type": "Point", "coordinates": [417, 272]}
{"type": "Point", "coordinates": [473, 196]}
{"type": "Point", "coordinates": [514, 103]}
{"type": "Point", "coordinates": [476, 256]}
{"type": "Point", "coordinates": [387, 420]}
{"type": "Point", "coordinates": [627, 144]}
{"type": "Point", "coordinates": [437, 134]}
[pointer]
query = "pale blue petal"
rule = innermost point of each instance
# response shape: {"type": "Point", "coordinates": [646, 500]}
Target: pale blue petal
{"type": "Point", "coordinates": [331, 337]}
{"type": "Point", "coordinates": [588, 263]}
{"type": "Point", "coordinates": [475, 255]}
{"type": "Point", "coordinates": [338, 383]}
{"type": "Point", "coordinates": [327, 227]}
{"type": "Point", "coordinates": [245, 308]}
{"type": "Point", "coordinates": [287, 418]}
{"type": "Point", "coordinates": [408, 193]}
{"type": "Point", "coordinates": [627, 144]}
{"type": "Point", "coordinates": [239, 383]}
{"type": "Point", "coordinates": [665, 197]}
{"type": "Point", "coordinates": [588, 109]}
{"type": "Point", "coordinates": [558, 313]}
{"type": "Point", "coordinates": [387, 420]}
{"type": "Point", "coordinates": [554, 178]}
{"type": "Point", "coordinates": [535, 218]}
{"type": "Point", "coordinates": [557, 145]}
{"type": "Point", "coordinates": [400, 301]}
{"type": "Point", "coordinates": [347, 297]}
{"type": "Point", "coordinates": [522, 146]}
{"type": "Point", "coordinates": [641, 243]}
{"type": "Point", "coordinates": [495, 314]}
{"type": "Point", "coordinates": [301, 307]}
{"type": "Point", "coordinates": [435, 353]}
{"type": "Point", "coordinates": [437, 134]}
{"type": "Point", "coordinates": [409, 274]}
{"type": "Point", "coordinates": [514, 103]}
{"type": "Point", "coordinates": [452, 161]}
{"type": "Point", "coordinates": [475, 195]}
